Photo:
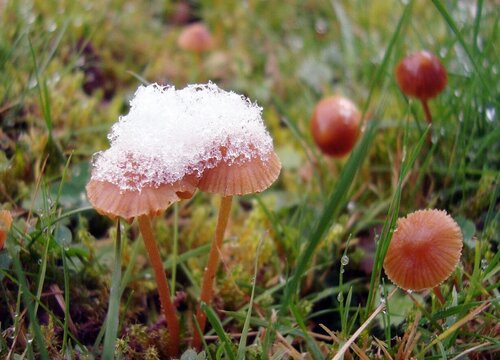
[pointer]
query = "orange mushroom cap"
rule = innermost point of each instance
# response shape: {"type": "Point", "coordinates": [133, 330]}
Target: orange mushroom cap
{"type": "Point", "coordinates": [241, 176]}
{"type": "Point", "coordinates": [421, 75]}
{"type": "Point", "coordinates": [335, 125]}
{"type": "Point", "coordinates": [5, 223]}
{"type": "Point", "coordinates": [424, 250]}
{"type": "Point", "coordinates": [108, 199]}
{"type": "Point", "coordinates": [195, 37]}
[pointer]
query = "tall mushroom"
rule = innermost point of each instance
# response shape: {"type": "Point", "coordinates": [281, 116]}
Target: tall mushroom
{"type": "Point", "coordinates": [130, 199]}
{"type": "Point", "coordinates": [422, 75]}
{"type": "Point", "coordinates": [239, 177]}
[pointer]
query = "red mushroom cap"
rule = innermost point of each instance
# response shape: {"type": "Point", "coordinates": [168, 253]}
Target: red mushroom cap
{"type": "Point", "coordinates": [421, 75]}
{"type": "Point", "coordinates": [424, 250]}
{"type": "Point", "coordinates": [335, 125]}
{"type": "Point", "coordinates": [195, 37]}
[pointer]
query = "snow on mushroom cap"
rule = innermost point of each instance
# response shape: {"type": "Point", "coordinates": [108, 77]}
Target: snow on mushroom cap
{"type": "Point", "coordinates": [171, 133]}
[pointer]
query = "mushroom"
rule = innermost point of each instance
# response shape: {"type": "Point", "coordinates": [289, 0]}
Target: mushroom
{"type": "Point", "coordinates": [424, 250]}
{"type": "Point", "coordinates": [142, 201]}
{"type": "Point", "coordinates": [335, 125]}
{"type": "Point", "coordinates": [197, 136]}
{"type": "Point", "coordinates": [195, 37]}
{"type": "Point", "coordinates": [243, 176]}
{"type": "Point", "coordinates": [421, 75]}
{"type": "Point", "coordinates": [5, 223]}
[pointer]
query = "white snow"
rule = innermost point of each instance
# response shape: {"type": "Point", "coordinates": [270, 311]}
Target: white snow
{"type": "Point", "coordinates": [170, 133]}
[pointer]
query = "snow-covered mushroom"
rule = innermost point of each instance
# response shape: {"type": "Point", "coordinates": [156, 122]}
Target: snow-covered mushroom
{"type": "Point", "coordinates": [424, 250]}
{"type": "Point", "coordinates": [228, 178]}
{"type": "Point", "coordinates": [173, 140]}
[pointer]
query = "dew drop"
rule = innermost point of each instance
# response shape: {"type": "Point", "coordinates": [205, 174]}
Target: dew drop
{"type": "Point", "coordinates": [490, 114]}
{"type": "Point", "coordinates": [344, 260]}
{"type": "Point", "coordinates": [484, 264]}
{"type": "Point", "coordinates": [29, 338]}
{"type": "Point", "coordinates": [340, 297]}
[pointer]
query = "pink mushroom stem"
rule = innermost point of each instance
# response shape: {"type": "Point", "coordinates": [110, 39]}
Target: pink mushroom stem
{"type": "Point", "coordinates": [211, 269]}
{"type": "Point", "coordinates": [163, 291]}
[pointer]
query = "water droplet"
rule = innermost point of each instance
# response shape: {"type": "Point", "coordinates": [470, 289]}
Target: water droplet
{"type": "Point", "coordinates": [342, 270]}
{"type": "Point", "coordinates": [351, 205]}
{"type": "Point", "coordinates": [344, 260]}
{"type": "Point", "coordinates": [490, 114]}
{"type": "Point", "coordinates": [484, 264]}
{"type": "Point", "coordinates": [340, 297]}
{"type": "Point", "coordinates": [457, 93]}
{"type": "Point", "coordinates": [29, 338]}
{"type": "Point", "coordinates": [52, 26]}
{"type": "Point", "coordinates": [321, 26]}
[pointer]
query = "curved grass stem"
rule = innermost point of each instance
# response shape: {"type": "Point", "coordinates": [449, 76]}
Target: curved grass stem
{"type": "Point", "coordinates": [161, 280]}
{"type": "Point", "coordinates": [211, 269]}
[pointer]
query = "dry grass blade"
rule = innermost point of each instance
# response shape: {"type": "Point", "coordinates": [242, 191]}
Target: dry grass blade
{"type": "Point", "coordinates": [468, 351]}
{"type": "Point", "coordinates": [289, 348]}
{"type": "Point", "coordinates": [381, 345]}
{"type": "Point", "coordinates": [457, 325]}
{"type": "Point", "coordinates": [409, 340]}
{"type": "Point", "coordinates": [355, 347]}
{"type": "Point", "coordinates": [353, 338]}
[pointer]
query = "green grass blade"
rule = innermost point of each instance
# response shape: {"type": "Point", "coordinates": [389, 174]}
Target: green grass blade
{"type": "Point", "coordinates": [451, 23]}
{"type": "Point", "coordinates": [28, 302]}
{"type": "Point", "coordinates": [246, 325]}
{"type": "Point", "coordinates": [311, 344]}
{"type": "Point", "coordinates": [390, 222]}
{"type": "Point", "coordinates": [113, 315]}
{"type": "Point", "coordinates": [333, 206]}
{"type": "Point", "coordinates": [217, 325]}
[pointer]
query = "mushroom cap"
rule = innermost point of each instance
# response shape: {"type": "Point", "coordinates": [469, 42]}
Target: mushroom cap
{"type": "Point", "coordinates": [108, 199]}
{"type": "Point", "coordinates": [335, 125]}
{"type": "Point", "coordinates": [5, 223]}
{"type": "Point", "coordinates": [424, 250]}
{"type": "Point", "coordinates": [241, 176]}
{"type": "Point", "coordinates": [421, 75]}
{"type": "Point", "coordinates": [195, 37]}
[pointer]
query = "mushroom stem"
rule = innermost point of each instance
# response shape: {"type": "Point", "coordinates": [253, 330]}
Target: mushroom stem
{"type": "Point", "coordinates": [168, 308]}
{"type": "Point", "coordinates": [427, 111]}
{"type": "Point", "coordinates": [210, 270]}
{"type": "Point", "coordinates": [439, 295]}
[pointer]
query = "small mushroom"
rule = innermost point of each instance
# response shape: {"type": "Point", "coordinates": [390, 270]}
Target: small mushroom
{"type": "Point", "coordinates": [195, 37]}
{"type": "Point", "coordinates": [421, 75]}
{"type": "Point", "coordinates": [5, 223]}
{"type": "Point", "coordinates": [335, 125]}
{"type": "Point", "coordinates": [239, 177]}
{"type": "Point", "coordinates": [424, 250]}
{"type": "Point", "coordinates": [130, 183]}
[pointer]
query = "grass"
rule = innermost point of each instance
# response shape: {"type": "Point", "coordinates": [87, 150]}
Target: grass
{"type": "Point", "coordinates": [66, 73]}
